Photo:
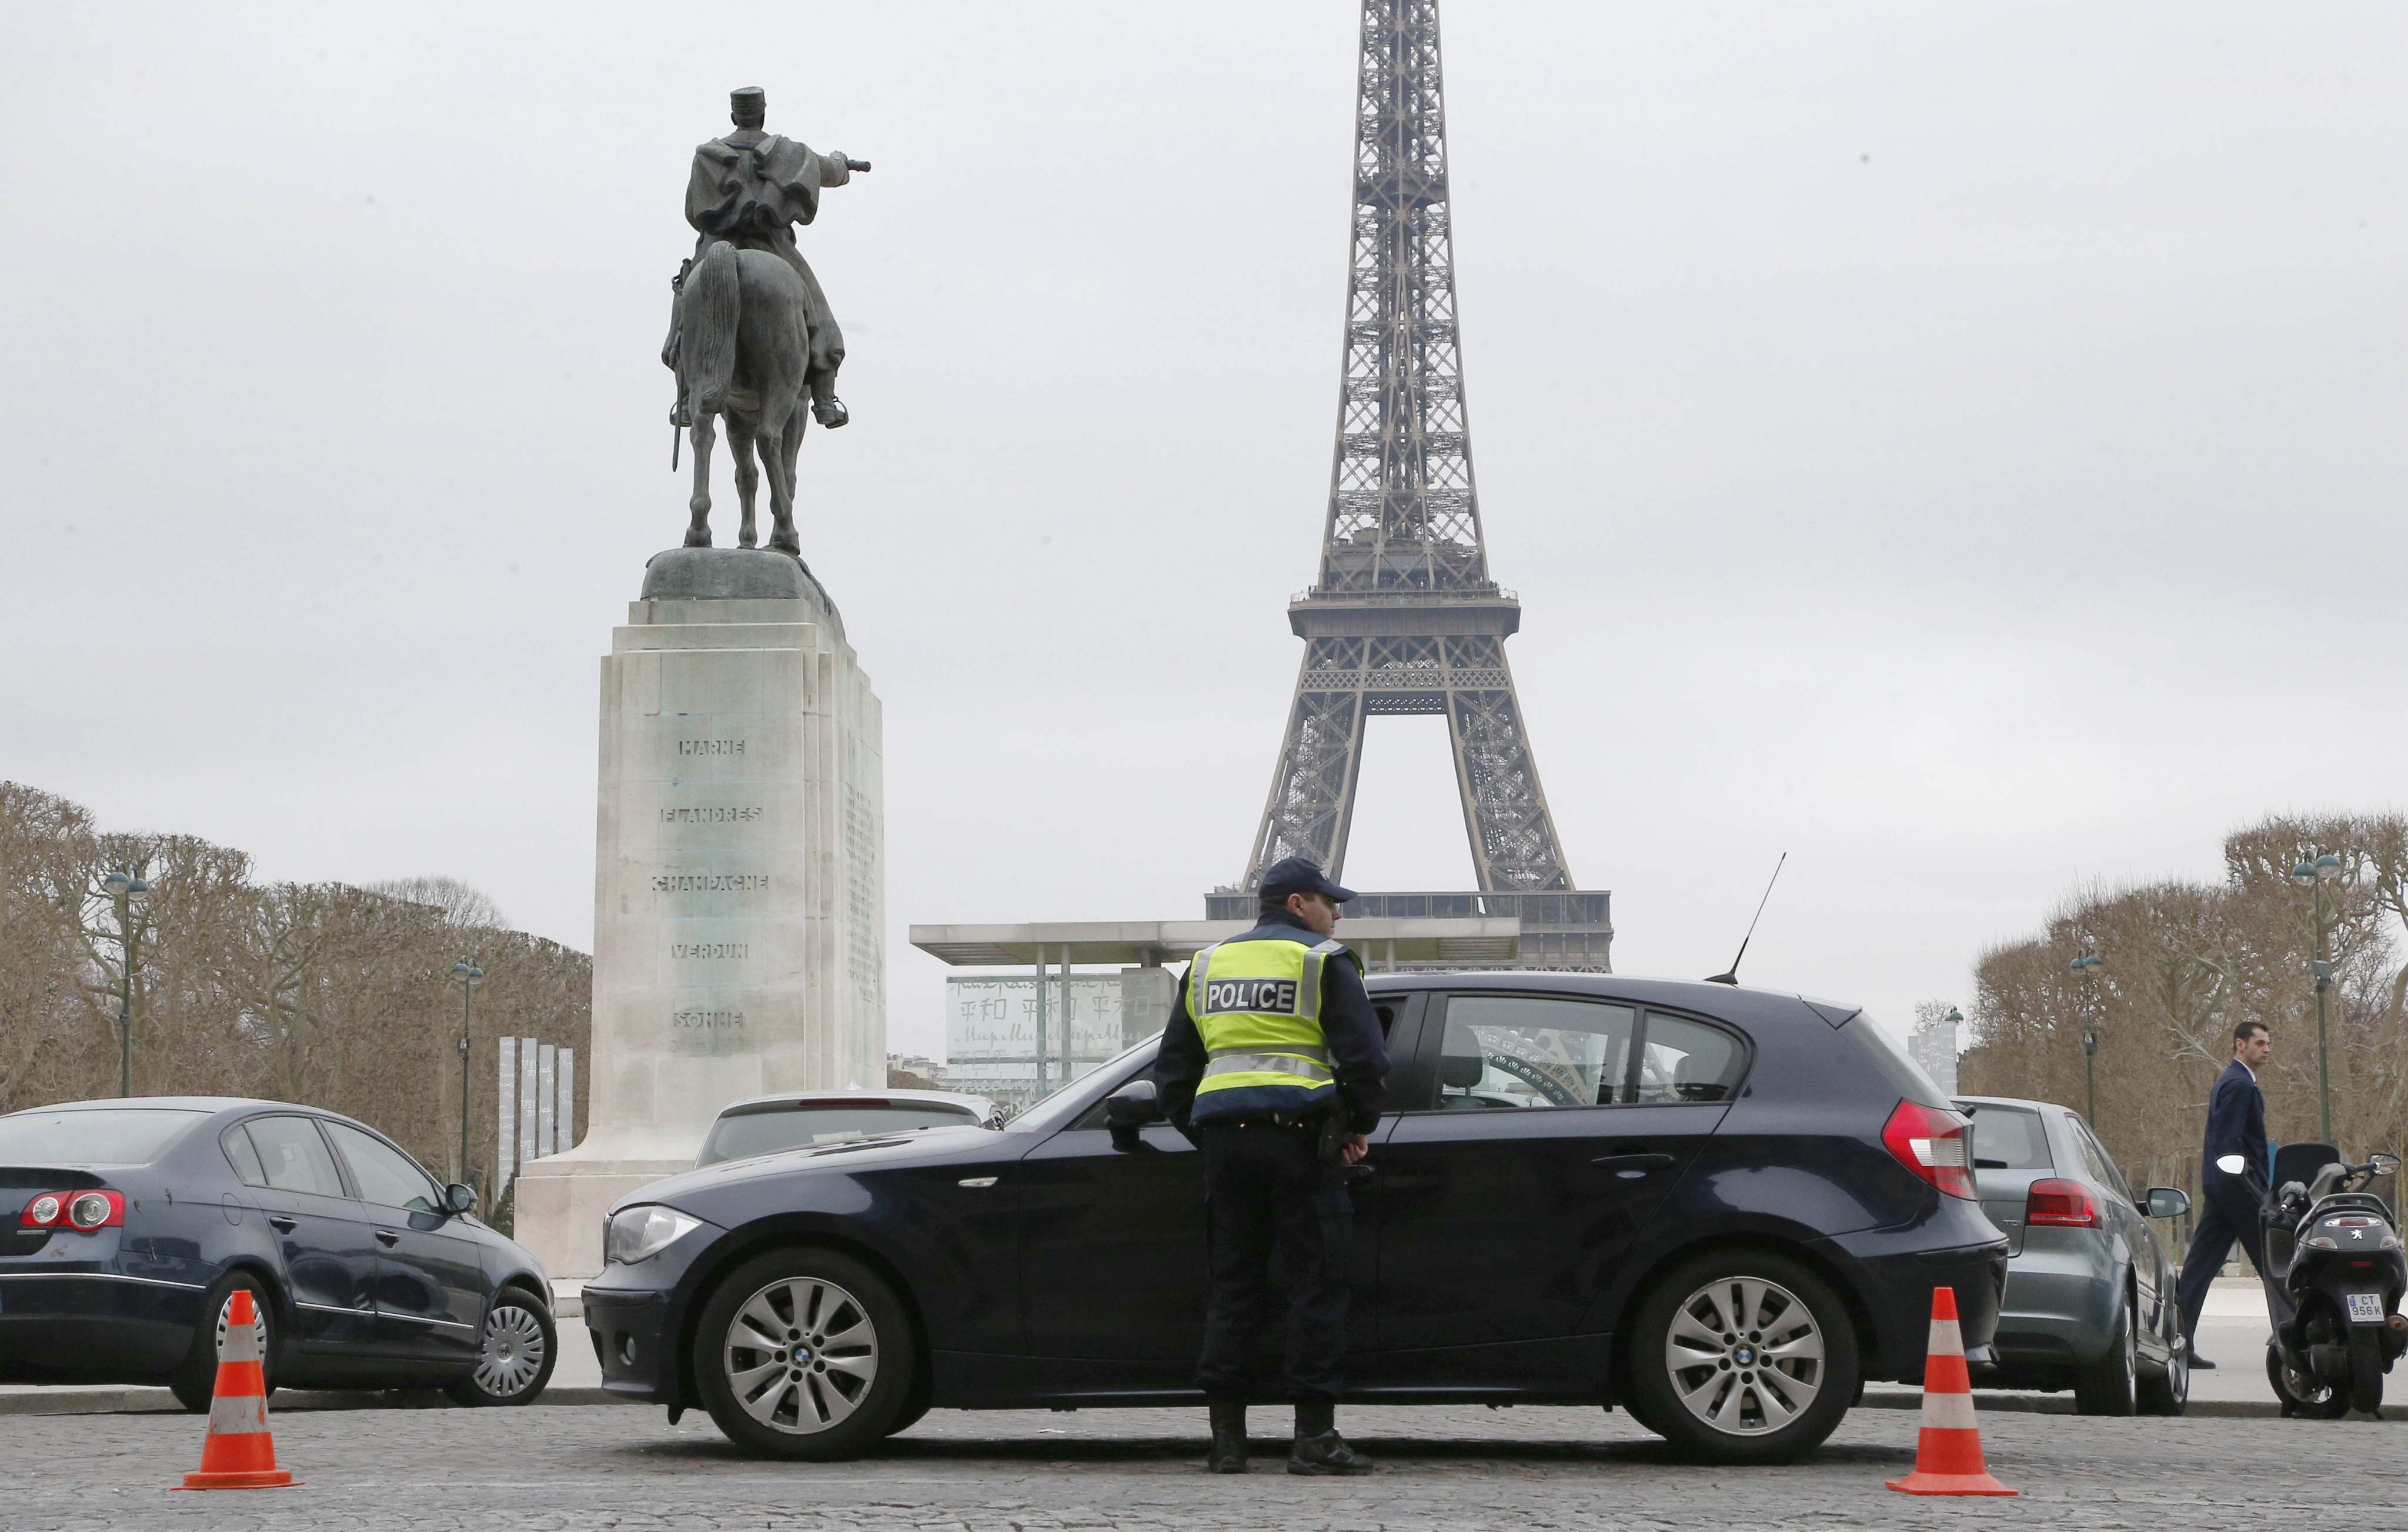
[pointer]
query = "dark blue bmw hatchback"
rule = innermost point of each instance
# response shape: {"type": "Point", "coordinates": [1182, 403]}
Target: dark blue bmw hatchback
{"type": "Point", "coordinates": [126, 1227]}
{"type": "Point", "coordinates": [1722, 1208]}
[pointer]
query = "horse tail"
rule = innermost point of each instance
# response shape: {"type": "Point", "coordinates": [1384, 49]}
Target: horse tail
{"type": "Point", "coordinates": [714, 294]}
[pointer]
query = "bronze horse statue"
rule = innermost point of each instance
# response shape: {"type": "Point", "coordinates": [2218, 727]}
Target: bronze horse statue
{"type": "Point", "coordinates": [744, 343]}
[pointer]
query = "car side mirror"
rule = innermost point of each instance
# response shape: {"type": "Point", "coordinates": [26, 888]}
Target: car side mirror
{"type": "Point", "coordinates": [2166, 1202]}
{"type": "Point", "coordinates": [2385, 1165]}
{"type": "Point", "coordinates": [2231, 1164]}
{"type": "Point", "coordinates": [459, 1198]}
{"type": "Point", "coordinates": [1134, 1105]}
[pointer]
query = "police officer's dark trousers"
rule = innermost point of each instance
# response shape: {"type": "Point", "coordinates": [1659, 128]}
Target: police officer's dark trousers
{"type": "Point", "coordinates": [1267, 1190]}
{"type": "Point", "coordinates": [2231, 1213]}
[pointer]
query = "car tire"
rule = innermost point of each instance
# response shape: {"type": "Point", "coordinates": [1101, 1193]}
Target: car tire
{"type": "Point", "coordinates": [913, 1413]}
{"type": "Point", "coordinates": [2167, 1392]}
{"type": "Point", "coordinates": [2111, 1384]}
{"type": "Point", "coordinates": [195, 1382]}
{"type": "Point", "coordinates": [515, 1354]}
{"type": "Point", "coordinates": [1638, 1411]}
{"type": "Point", "coordinates": [805, 1353]}
{"type": "Point", "coordinates": [915, 1404]}
{"type": "Point", "coordinates": [1713, 1332]}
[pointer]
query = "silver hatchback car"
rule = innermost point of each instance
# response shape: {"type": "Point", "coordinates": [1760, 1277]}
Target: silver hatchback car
{"type": "Point", "coordinates": [2090, 1293]}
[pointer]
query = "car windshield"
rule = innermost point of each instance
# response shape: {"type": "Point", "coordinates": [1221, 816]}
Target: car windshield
{"type": "Point", "coordinates": [1076, 1096]}
{"type": "Point", "coordinates": [106, 1136]}
{"type": "Point", "coordinates": [2007, 1138]}
{"type": "Point", "coordinates": [766, 1129]}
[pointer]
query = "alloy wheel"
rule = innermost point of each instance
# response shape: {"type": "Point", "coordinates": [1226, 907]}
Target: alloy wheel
{"type": "Point", "coordinates": [1745, 1355]}
{"type": "Point", "coordinates": [511, 1355]}
{"type": "Point", "coordinates": [801, 1356]}
{"type": "Point", "coordinates": [2131, 1393]}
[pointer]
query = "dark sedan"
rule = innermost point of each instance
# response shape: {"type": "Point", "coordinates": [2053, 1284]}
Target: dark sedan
{"type": "Point", "coordinates": [130, 1225]}
{"type": "Point", "coordinates": [1723, 1208]}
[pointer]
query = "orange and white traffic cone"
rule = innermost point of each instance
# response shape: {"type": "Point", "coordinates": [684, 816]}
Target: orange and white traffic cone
{"type": "Point", "coordinates": [240, 1452]}
{"type": "Point", "coordinates": [1948, 1448]}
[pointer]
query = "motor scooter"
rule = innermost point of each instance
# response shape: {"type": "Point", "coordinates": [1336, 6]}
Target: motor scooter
{"type": "Point", "coordinates": [2334, 1274]}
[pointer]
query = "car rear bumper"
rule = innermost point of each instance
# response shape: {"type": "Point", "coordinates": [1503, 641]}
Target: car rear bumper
{"type": "Point", "coordinates": [2060, 1306]}
{"type": "Point", "coordinates": [93, 1327]}
{"type": "Point", "coordinates": [1895, 1280]}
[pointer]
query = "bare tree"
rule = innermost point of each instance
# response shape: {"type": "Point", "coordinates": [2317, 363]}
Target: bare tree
{"type": "Point", "coordinates": [328, 993]}
{"type": "Point", "coordinates": [2185, 963]}
{"type": "Point", "coordinates": [462, 904]}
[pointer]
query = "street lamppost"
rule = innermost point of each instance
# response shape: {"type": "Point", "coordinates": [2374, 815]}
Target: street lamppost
{"type": "Point", "coordinates": [127, 889]}
{"type": "Point", "coordinates": [467, 973]}
{"type": "Point", "coordinates": [2087, 965]}
{"type": "Point", "coordinates": [2315, 875]}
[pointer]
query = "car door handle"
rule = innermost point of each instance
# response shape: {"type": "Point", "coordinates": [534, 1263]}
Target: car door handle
{"type": "Point", "coordinates": [281, 1223]}
{"type": "Point", "coordinates": [1642, 1161]}
{"type": "Point", "coordinates": [387, 1239]}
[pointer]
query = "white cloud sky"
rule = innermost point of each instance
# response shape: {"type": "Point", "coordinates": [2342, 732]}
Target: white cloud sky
{"type": "Point", "coordinates": [1958, 445]}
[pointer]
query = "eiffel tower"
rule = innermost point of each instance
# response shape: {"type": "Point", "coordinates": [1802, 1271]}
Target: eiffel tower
{"type": "Point", "coordinates": [1405, 617]}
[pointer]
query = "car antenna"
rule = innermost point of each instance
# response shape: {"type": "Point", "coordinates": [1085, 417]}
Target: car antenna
{"type": "Point", "coordinates": [1732, 976]}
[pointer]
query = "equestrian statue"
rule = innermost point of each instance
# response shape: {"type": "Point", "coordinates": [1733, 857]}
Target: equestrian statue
{"type": "Point", "coordinates": [750, 335]}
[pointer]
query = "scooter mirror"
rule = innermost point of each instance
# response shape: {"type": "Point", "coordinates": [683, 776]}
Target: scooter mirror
{"type": "Point", "coordinates": [2385, 1165]}
{"type": "Point", "coordinates": [2231, 1164]}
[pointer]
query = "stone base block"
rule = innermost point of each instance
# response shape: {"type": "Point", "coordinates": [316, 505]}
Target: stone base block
{"type": "Point", "coordinates": [562, 1202]}
{"type": "Point", "coordinates": [739, 887]}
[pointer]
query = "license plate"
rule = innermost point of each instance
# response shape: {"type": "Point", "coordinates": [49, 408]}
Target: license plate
{"type": "Point", "coordinates": [2366, 1308]}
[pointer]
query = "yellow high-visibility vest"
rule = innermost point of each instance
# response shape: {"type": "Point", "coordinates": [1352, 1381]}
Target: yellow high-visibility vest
{"type": "Point", "coordinates": [1256, 1003]}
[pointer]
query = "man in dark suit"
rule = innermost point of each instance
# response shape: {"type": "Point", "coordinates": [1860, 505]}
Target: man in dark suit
{"type": "Point", "coordinates": [2236, 1124]}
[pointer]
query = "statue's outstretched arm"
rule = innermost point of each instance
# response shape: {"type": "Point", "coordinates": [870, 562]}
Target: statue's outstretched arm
{"type": "Point", "coordinates": [837, 167]}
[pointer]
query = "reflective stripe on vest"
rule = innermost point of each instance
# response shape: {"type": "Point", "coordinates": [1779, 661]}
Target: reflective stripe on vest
{"type": "Point", "coordinates": [1256, 1006]}
{"type": "Point", "coordinates": [1268, 1065]}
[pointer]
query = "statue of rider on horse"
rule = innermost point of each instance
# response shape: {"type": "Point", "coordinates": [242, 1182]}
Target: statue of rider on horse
{"type": "Point", "coordinates": [750, 335]}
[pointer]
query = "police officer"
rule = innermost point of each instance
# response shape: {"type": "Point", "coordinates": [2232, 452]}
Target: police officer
{"type": "Point", "coordinates": [1271, 1038]}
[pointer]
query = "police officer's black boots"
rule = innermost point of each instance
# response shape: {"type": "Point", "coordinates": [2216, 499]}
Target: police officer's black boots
{"type": "Point", "coordinates": [1319, 1449]}
{"type": "Point", "coordinates": [1228, 1453]}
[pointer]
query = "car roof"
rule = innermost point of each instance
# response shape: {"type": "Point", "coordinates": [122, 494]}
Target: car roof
{"type": "Point", "coordinates": [215, 1106]}
{"type": "Point", "coordinates": [977, 1106]}
{"type": "Point", "coordinates": [2010, 1101]}
{"type": "Point", "coordinates": [162, 1103]}
{"type": "Point", "coordinates": [1733, 1001]}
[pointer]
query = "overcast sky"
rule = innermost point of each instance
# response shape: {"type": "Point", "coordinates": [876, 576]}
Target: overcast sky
{"type": "Point", "coordinates": [1959, 445]}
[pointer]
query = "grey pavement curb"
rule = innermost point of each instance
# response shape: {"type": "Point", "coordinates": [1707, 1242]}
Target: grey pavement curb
{"type": "Point", "coordinates": [158, 1401]}
{"type": "Point", "coordinates": [138, 1401]}
{"type": "Point", "coordinates": [2019, 1404]}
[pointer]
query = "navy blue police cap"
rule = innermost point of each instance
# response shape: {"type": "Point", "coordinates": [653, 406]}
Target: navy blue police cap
{"type": "Point", "coordinates": [1301, 875]}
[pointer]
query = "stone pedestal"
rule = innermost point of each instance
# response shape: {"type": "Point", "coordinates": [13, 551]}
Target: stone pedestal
{"type": "Point", "coordinates": [739, 887]}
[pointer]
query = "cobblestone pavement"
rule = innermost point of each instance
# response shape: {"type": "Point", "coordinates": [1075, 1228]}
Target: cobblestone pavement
{"type": "Point", "coordinates": [605, 1466]}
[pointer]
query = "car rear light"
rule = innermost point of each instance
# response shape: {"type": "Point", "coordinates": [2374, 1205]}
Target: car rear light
{"type": "Point", "coordinates": [82, 1211]}
{"type": "Point", "coordinates": [90, 1210]}
{"type": "Point", "coordinates": [1934, 1145]}
{"type": "Point", "coordinates": [2063, 1203]}
{"type": "Point", "coordinates": [2355, 1221]}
